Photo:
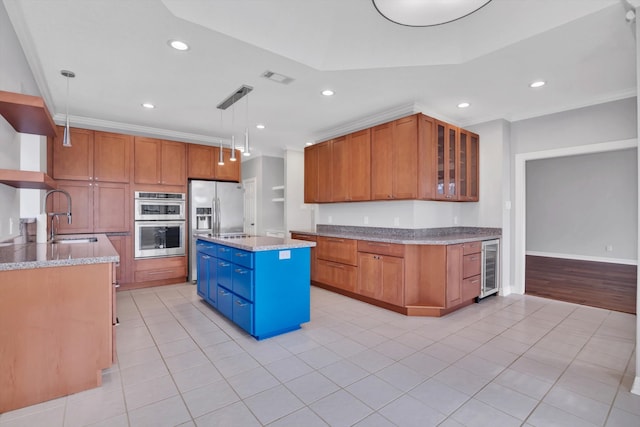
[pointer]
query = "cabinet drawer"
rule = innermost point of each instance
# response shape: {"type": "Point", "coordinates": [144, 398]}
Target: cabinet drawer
{"type": "Point", "coordinates": [470, 288]}
{"type": "Point", "coordinates": [243, 282]}
{"type": "Point", "coordinates": [343, 251]}
{"type": "Point", "coordinates": [168, 272]}
{"type": "Point", "coordinates": [225, 302]}
{"type": "Point", "coordinates": [472, 247]}
{"type": "Point", "coordinates": [338, 275]}
{"type": "Point", "coordinates": [243, 314]}
{"type": "Point", "coordinates": [244, 258]}
{"type": "Point", "coordinates": [224, 273]}
{"type": "Point", "coordinates": [381, 248]}
{"type": "Point", "coordinates": [225, 252]}
{"type": "Point", "coordinates": [306, 237]}
{"type": "Point", "coordinates": [471, 265]}
{"type": "Point", "coordinates": [206, 247]}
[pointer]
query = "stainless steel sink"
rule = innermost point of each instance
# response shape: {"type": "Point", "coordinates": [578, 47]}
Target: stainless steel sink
{"type": "Point", "coordinates": [66, 240]}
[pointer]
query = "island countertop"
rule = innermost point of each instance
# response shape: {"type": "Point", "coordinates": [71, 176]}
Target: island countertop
{"type": "Point", "coordinates": [257, 243]}
{"type": "Point", "coordinates": [22, 256]}
{"type": "Point", "coordinates": [404, 236]}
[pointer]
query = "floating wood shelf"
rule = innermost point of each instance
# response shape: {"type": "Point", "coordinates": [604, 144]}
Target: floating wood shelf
{"type": "Point", "coordinates": [27, 179]}
{"type": "Point", "coordinates": [26, 113]}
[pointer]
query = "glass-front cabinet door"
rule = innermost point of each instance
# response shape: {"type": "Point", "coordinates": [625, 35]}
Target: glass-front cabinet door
{"type": "Point", "coordinates": [468, 166]}
{"type": "Point", "coordinates": [447, 161]}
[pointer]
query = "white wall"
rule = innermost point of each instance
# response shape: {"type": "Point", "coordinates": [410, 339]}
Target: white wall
{"type": "Point", "coordinates": [297, 214]}
{"type": "Point", "coordinates": [15, 76]}
{"type": "Point", "coordinates": [578, 205]}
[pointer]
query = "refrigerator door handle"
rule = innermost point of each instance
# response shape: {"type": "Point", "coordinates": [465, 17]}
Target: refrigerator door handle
{"type": "Point", "coordinates": [218, 213]}
{"type": "Point", "coordinates": [214, 213]}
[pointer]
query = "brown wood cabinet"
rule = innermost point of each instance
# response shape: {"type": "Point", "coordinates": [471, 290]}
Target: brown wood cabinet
{"type": "Point", "coordinates": [202, 163]}
{"type": "Point", "coordinates": [337, 261]}
{"type": "Point", "coordinates": [314, 257]}
{"type": "Point", "coordinates": [154, 271]}
{"type": "Point", "coordinates": [93, 156]}
{"type": "Point", "coordinates": [318, 176]}
{"type": "Point", "coordinates": [57, 332]}
{"type": "Point", "coordinates": [381, 271]}
{"type": "Point", "coordinates": [412, 158]}
{"type": "Point", "coordinates": [468, 164]}
{"type": "Point", "coordinates": [97, 207]}
{"type": "Point", "coordinates": [394, 160]}
{"type": "Point", "coordinates": [351, 161]}
{"type": "Point", "coordinates": [122, 244]}
{"type": "Point", "coordinates": [158, 161]}
{"type": "Point", "coordinates": [416, 280]}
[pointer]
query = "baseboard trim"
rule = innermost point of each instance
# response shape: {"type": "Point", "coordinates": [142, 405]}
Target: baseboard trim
{"type": "Point", "coordinates": [584, 258]}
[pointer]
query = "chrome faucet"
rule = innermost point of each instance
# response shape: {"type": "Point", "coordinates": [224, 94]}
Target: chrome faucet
{"type": "Point", "coordinates": [54, 215]}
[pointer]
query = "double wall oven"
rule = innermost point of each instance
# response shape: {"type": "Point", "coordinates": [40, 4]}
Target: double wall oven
{"type": "Point", "coordinates": [159, 224]}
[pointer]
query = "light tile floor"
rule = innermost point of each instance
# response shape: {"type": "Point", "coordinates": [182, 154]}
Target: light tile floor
{"type": "Point", "coordinates": [507, 361]}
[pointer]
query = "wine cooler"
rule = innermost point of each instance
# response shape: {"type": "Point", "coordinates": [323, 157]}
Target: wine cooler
{"type": "Point", "coordinates": [490, 273]}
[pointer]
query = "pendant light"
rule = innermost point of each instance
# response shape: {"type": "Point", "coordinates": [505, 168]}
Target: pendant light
{"type": "Point", "coordinates": [233, 137]}
{"type": "Point", "coordinates": [66, 137]}
{"type": "Point", "coordinates": [246, 132]}
{"type": "Point", "coordinates": [220, 154]}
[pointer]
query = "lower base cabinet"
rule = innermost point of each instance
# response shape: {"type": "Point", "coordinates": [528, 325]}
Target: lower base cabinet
{"type": "Point", "coordinates": [266, 293]}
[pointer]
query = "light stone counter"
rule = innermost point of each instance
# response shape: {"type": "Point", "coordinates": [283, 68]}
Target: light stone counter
{"type": "Point", "coordinates": [405, 236]}
{"type": "Point", "coordinates": [39, 255]}
{"type": "Point", "coordinates": [257, 243]}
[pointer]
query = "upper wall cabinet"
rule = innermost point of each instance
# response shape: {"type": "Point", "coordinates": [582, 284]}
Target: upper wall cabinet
{"type": "Point", "coordinates": [394, 160]}
{"type": "Point", "coordinates": [351, 167]}
{"type": "Point", "coordinates": [202, 163]}
{"type": "Point", "coordinates": [412, 158]}
{"type": "Point", "coordinates": [159, 162]}
{"type": "Point", "coordinates": [93, 156]}
{"type": "Point", "coordinates": [318, 172]}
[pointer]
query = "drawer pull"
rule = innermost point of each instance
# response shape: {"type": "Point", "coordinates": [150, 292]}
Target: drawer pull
{"type": "Point", "coordinates": [223, 293]}
{"type": "Point", "coordinates": [223, 264]}
{"type": "Point", "coordinates": [336, 240]}
{"type": "Point", "coordinates": [473, 282]}
{"type": "Point", "coordinates": [241, 271]}
{"type": "Point", "coordinates": [382, 245]}
{"type": "Point", "coordinates": [474, 258]}
{"type": "Point", "coordinates": [241, 254]}
{"type": "Point", "coordinates": [336, 265]}
{"type": "Point", "coordinates": [240, 303]}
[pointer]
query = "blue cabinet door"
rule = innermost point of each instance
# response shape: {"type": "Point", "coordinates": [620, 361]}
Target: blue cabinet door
{"type": "Point", "coordinates": [225, 302]}
{"type": "Point", "coordinates": [203, 274]}
{"type": "Point", "coordinates": [243, 282]}
{"type": "Point", "coordinates": [212, 291]}
{"type": "Point", "coordinates": [243, 314]}
{"type": "Point", "coordinates": [224, 271]}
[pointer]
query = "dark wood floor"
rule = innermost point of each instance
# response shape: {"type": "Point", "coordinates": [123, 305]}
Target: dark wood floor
{"type": "Point", "coordinates": [597, 284]}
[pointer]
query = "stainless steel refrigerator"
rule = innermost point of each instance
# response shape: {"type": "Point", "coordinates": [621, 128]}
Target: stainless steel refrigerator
{"type": "Point", "coordinates": [216, 208]}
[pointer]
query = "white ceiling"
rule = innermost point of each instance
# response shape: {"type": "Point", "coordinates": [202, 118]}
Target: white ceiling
{"type": "Point", "coordinates": [584, 49]}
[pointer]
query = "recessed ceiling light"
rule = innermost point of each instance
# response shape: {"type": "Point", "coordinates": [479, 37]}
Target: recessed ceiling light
{"type": "Point", "coordinates": [538, 83]}
{"type": "Point", "coordinates": [178, 45]}
{"type": "Point", "coordinates": [463, 105]}
{"type": "Point", "coordinates": [328, 92]}
{"type": "Point", "coordinates": [148, 105]}
{"type": "Point", "coordinates": [260, 126]}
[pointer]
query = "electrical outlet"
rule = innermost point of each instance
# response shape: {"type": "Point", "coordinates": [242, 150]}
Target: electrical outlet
{"type": "Point", "coordinates": [10, 226]}
{"type": "Point", "coordinates": [396, 221]}
{"type": "Point", "coordinates": [330, 219]}
{"type": "Point", "coordinates": [608, 248]}
{"type": "Point", "coordinates": [365, 220]}
{"type": "Point", "coordinates": [455, 220]}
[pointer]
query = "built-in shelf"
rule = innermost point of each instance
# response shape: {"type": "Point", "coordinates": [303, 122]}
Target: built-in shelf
{"type": "Point", "coordinates": [278, 188]}
{"type": "Point", "coordinates": [27, 179]}
{"type": "Point", "coordinates": [26, 113]}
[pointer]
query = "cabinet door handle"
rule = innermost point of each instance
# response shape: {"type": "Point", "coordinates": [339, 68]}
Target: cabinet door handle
{"type": "Point", "coordinates": [336, 265]}
{"type": "Point", "coordinates": [240, 303]}
{"type": "Point", "coordinates": [473, 282]}
{"type": "Point", "coordinates": [223, 293]}
{"type": "Point", "coordinates": [382, 245]}
{"type": "Point", "coordinates": [241, 271]}
{"type": "Point", "coordinates": [336, 240]}
{"type": "Point", "coordinates": [474, 258]}
{"type": "Point", "coordinates": [241, 254]}
{"type": "Point", "coordinates": [223, 264]}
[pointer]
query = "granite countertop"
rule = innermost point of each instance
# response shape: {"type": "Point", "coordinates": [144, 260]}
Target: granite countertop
{"type": "Point", "coordinates": [38, 255]}
{"type": "Point", "coordinates": [406, 236]}
{"type": "Point", "coordinates": [258, 243]}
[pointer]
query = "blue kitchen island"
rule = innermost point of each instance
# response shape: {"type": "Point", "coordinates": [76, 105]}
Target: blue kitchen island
{"type": "Point", "coordinates": [260, 283]}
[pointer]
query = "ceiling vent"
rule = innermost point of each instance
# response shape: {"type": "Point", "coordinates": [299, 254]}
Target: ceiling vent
{"type": "Point", "coordinates": [235, 97]}
{"type": "Point", "coordinates": [278, 78]}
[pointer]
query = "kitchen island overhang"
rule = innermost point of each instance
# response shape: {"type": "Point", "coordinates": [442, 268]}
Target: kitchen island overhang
{"type": "Point", "coordinates": [260, 283]}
